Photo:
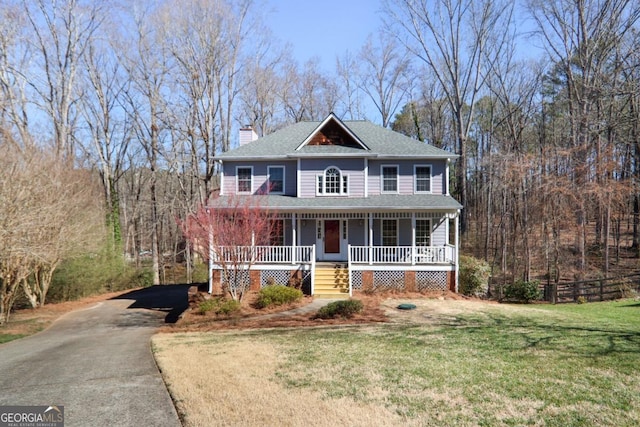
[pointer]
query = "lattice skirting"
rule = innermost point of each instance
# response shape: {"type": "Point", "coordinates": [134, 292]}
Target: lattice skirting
{"type": "Point", "coordinates": [281, 277]}
{"type": "Point", "coordinates": [274, 277]}
{"type": "Point", "coordinates": [238, 277]}
{"type": "Point", "coordinates": [431, 280]}
{"type": "Point", "coordinates": [395, 280]}
{"type": "Point", "coordinates": [387, 280]}
{"type": "Point", "coordinates": [356, 280]}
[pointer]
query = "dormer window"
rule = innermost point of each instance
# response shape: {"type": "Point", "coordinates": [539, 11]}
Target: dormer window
{"type": "Point", "coordinates": [332, 182]}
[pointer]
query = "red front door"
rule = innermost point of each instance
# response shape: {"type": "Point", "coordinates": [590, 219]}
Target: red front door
{"type": "Point", "coordinates": [332, 236]}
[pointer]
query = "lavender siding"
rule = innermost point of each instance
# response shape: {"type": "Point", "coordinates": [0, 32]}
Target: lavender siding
{"type": "Point", "coordinates": [439, 232]}
{"type": "Point", "coordinates": [311, 168]}
{"type": "Point", "coordinates": [406, 175]}
{"type": "Point", "coordinates": [260, 171]}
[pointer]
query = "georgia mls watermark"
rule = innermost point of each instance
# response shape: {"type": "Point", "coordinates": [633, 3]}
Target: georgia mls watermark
{"type": "Point", "coordinates": [31, 416]}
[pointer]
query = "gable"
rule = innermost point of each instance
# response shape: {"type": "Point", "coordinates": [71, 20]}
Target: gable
{"type": "Point", "coordinates": [333, 132]}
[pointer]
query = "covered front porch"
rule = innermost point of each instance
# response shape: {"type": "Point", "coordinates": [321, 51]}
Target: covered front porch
{"type": "Point", "coordinates": [367, 250]}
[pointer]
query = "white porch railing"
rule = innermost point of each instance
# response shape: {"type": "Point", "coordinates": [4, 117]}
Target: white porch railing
{"type": "Point", "coordinates": [265, 254]}
{"type": "Point", "coordinates": [402, 255]}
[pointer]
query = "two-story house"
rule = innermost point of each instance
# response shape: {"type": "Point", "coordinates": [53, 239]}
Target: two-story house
{"type": "Point", "coordinates": [362, 207]}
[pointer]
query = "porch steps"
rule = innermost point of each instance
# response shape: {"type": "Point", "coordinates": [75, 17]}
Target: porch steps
{"type": "Point", "coordinates": [331, 281]}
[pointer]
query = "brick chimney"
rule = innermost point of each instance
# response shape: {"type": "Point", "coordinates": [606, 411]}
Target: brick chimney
{"type": "Point", "coordinates": [247, 135]}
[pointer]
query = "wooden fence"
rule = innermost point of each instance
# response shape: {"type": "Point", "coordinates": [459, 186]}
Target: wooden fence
{"type": "Point", "coordinates": [593, 290]}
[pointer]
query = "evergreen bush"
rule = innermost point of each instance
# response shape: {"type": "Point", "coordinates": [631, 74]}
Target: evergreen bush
{"type": "Point", "coordinates": [523, 291]}
{"type": "Point", "coordinates": [474, 276]}
{"type": "Point", "coordinates": [273, 295]}
{"type": "Point", "coordinates": [343, 308]}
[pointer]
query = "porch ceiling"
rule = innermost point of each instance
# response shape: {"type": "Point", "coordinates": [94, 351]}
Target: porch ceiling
{"type": "Point", "coordinates": [385, 202]}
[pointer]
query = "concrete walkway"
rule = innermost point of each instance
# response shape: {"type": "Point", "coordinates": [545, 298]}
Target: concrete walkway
{"type": "Point", "coordinates": [97, 363]}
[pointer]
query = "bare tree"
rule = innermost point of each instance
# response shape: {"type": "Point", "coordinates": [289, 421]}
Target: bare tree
{"type": "Point", "coordinates": [347, 69]}
{"type": "Point", "coordinates": [308, 94]}
{"type": "Point", "coordinates": [108, 127]}
{"type": "Point", "coordinates": [14, 59]}
{"type": "Point", "coordinates": [262, 83]}
{"type": "Point", "coordinates": [147, 66]}
{"type": "Point", "coordinates": [581, 37]}
{"type": "Point", "coordinates": [385, 75]}
{"type": "Point", "coordinates": [62, 31]}
{"type": "Point", "coordinates": [48, 211]}
{"type": "Point", "coordinates": [451, 37]}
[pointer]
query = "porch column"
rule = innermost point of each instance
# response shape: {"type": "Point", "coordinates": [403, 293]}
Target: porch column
{"type": "Point", "coordinates": [370, 238]}
{"type": "Point", "coordinates": [456, 250]}
{"type": "Point", "coordinates": [413, 238]}
{"type": "Point", "coordinates": [294, 237]}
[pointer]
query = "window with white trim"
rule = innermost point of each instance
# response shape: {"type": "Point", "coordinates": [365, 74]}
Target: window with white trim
{"type": "Point", "coordinates": [277, 232]}
{"type": "Point", "coordinates": [423, 232]}
{"type": "Point", "coordinates": [389, 176]}
{"type": "Point", "coordinates": [422, 176]}
{"type": "Point", "coordinates": [332, 182]}
{"type": "Point", "coordinates": [389, 232]}
{"type": "Point", "coordinates": [244, 179]}
{"type": "Point", "coordinates": [276, 179]}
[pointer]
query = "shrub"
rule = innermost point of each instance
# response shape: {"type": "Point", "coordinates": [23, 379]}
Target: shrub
{"type": "Point", "coordinates": [92, 274]}
{"type": "Point", "coordinates": [228, 307]}
{"type": "Point", "coordinates": [277, 295]}
{"type": "Point", "coordinates": [206, 306]}
{"type": "Point", "coordinates": [343, 308]}
{"type": "Point", "coordinates": [523, 291]}
{"type": "Point", "coordinates": [219, 306]}
{"type": "Point", "coordinates": [474, 276]}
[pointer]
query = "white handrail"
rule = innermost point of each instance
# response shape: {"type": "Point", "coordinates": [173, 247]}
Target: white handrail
{"type": "Point", "coordinates": [401, 254]}
{"type": "Point", "coordinates": [264, 254]}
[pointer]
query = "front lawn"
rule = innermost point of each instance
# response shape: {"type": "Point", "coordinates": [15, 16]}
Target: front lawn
{"type": "Point", "coordinates": [449, 363]}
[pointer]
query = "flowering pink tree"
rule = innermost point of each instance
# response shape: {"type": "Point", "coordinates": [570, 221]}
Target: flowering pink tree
{"type": "Point", "coordinates": [230, 231]}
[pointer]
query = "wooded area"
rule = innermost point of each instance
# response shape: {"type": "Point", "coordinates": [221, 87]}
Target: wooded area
{"type": "Point", "coordinates": [541, 100]}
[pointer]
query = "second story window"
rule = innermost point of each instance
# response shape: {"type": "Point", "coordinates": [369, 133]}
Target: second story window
{"type": "Point", "coordinates": [244, 177]}
{"type": "Point", "coordinates": [422, 178]}
{"type": "Point", "coordinates": [389, 179]}
{"type": "Point", "coordinates": [333, 182]}
{"type": "Point", "coordinates": [276, 179]}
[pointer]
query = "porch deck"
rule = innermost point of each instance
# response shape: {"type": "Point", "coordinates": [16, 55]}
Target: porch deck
{"type": "Point", "coordinates": [367, 267]}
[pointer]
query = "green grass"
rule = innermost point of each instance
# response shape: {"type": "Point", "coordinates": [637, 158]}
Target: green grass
{"type": "Point", "coordinates": [561, 365]}
{"type": "Point", "coordinates": [9, 337]}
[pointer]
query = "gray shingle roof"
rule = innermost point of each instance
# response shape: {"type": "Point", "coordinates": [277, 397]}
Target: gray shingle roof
{"type": "Point", "coordinates": [385, 202]}
{"type": "Point", "coordinates": [382, 142]}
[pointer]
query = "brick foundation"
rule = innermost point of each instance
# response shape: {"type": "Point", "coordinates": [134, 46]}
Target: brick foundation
{"type": "Point", "coordinates": [255, 280]}
{"type": "Point", "coordinates": [410, 281]}
{"type": "Point", "coordinates": [367, 280]}
{"type": "Point", "coordinates": [451, 278]}
{"type": "Point", "coordinates": [216, 283]}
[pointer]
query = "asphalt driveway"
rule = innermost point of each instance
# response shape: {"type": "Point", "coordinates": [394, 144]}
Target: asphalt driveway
{"type": "Point", "coordinates": [97, 362]}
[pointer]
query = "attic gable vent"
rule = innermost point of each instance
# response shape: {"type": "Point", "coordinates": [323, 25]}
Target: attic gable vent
{"type": "Point", "coordinates": [332, 131]}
